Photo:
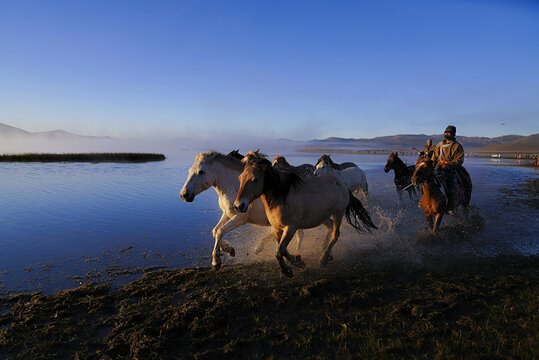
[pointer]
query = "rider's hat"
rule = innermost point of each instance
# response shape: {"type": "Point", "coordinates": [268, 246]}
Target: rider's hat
{"type": "Point", "coordinates": [451, 129]}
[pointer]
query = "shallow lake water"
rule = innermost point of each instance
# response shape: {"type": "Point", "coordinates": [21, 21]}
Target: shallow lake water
{"type": "Point", "coordinates": [63, 224]}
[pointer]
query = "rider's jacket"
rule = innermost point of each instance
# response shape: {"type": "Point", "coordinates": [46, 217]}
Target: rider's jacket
{"type": "Point", "coordinates": [448, 152]}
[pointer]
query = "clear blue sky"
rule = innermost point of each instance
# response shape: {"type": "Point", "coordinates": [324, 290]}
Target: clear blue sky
{"type": "Point", "coordinates": [296, 69]}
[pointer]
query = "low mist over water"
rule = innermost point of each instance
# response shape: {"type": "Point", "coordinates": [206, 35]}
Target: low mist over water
{"type": "Point", "coordinates": [67, 223]}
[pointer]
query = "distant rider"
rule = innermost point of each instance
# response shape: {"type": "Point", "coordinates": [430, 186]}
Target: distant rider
{"type": "Point", "coordinates": [428, 150]}
{"type": "Point", "coordinates": [448, 155]}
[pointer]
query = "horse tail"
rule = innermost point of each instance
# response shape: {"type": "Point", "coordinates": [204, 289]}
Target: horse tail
{"type": "Point", "coordinates": [356, 215]}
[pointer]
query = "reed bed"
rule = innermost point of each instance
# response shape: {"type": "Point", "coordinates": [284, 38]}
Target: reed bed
{"type": "Point", "coordinates": [83, 157]}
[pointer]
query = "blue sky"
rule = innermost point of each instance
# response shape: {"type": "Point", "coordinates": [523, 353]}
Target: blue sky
{"type": "Point", "coordinates": [295, 69]}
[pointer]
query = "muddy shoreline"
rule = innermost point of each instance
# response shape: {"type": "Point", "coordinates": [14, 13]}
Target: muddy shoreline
{"type": "Point", "coordinates": [472, 307]}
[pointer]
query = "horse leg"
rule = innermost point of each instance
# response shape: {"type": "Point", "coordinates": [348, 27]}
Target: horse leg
{"type": "Point", "coordinates": [466, 211]}
{"type": "Point", "coordinates": [429, 221]}
{"type": "Point", "coordinates": [437, 220]}
{"type": "Point", "coordinates": [285, 237]}
{"type": "Point", "coordinates": [337, 219]}
{"type": "Point", "coordinates": [299, 236]}
{"type": "Point", "coordinates": [234, 222]}
{"type": "Point", "coordinates": [216, 256]}
{"type": "Point", "coordinates": [399, 191]}
{"type": "Point", "coordinates": [364, 190]}
{"type": "Point", "coordinates": [329, 224]}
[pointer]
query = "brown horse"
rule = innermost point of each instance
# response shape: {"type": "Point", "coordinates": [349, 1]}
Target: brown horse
{"type": "Point", "coordinates": [293, 203]}
{"type": "Point", "coordinates": [304, 170]}
{"type": "Point", "coordinates": [403, 174]}
{"type": "Point", "coordinates": [433, 200]}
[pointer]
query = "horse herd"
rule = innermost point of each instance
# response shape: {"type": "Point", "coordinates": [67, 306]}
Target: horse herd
{"type": "Point", "coordinates": [289, 198]}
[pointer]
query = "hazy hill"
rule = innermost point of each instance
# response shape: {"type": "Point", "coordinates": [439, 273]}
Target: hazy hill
{"type": "Point", "coordinates": [406, 141]}
{"type": "Point", "coordinates": [528, 144]}
{"type": "Point", "coordinates": [6, 130]}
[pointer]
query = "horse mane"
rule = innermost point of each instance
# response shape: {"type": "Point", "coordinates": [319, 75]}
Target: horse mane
{"type": "Point", "coordinates": [278, 182]}
{"type": "Point", "coordinates": [281, 161]}
{"type": "Point", "coordinates": [229, 161]}
{"type": "Point", "coordinates": [235, 154]}
{"type": "Point", "coordinates": [327, 159]}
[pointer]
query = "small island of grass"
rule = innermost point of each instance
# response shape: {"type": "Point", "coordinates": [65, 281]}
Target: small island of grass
{"type": "Point", "coordinates": [83, 157]}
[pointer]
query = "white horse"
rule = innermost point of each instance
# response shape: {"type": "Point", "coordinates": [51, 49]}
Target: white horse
{"type": "Point", "coordinates": [348, 173]}
{"type": "Point", "coordinates": [213, 169]}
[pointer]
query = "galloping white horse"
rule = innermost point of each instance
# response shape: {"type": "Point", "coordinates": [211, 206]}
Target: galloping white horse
{"type": "Point", "coordinates": [213, 169]}
{"type": "Point", "coordinates": [348, 173]}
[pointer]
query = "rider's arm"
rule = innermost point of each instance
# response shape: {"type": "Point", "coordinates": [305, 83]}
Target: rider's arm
{"type": "Point", "coordinates": [458, 155]}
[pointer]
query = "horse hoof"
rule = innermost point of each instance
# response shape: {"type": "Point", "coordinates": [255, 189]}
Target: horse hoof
{"type": "Point", "coordinates": [325, 260]}
{"type": "Point", "coordinates": [298, 262]}
{"type": "Point", "coordinates": [287, 272]}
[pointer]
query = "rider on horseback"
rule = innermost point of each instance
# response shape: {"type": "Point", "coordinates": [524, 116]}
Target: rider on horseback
{"type": "Point", "coordinates": [448, 156]}
{"type": "Point", "coordinates": [428, 150]}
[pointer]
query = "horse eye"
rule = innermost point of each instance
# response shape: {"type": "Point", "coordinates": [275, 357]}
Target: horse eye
{"type": "Point", "coordinates": [255, 180]}
{"type": "Point", "coordinates": [200, 172]}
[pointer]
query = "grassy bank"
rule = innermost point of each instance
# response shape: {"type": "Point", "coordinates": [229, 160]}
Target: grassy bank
{"type": "Point", "coordinates": [83, 157]}
{"type": "Point", "coordinates": [474, 308]}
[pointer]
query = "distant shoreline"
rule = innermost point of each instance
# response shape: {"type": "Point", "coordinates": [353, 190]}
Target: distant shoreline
{"type": "Point", "coordinates": [83, 157]}
{"type": "Point", "coordinates": [487, 154]}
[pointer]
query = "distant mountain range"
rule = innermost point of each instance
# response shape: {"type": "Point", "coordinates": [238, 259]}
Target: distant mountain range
{"type": "Point", "coordinates": [405, 142]}
{"type": "Point", "coordinates": [14, 140]}
{"type": "Point", "coordinates": [10, 131]}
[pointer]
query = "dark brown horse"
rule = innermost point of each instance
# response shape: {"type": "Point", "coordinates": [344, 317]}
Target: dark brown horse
{"type": "Point", "coordinates": [433, 201]}
{"type": "Point", "coordinates": [403, 174]}
{"type": "Point", "coordinates": [304, 170]}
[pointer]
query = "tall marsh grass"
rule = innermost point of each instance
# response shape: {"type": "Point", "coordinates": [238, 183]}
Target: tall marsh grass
{"type": "Point", "coordinates": [83, 157]}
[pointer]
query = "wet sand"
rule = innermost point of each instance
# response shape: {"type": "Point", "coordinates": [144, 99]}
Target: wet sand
{"type": "Point", "coordinates": [473, 308]}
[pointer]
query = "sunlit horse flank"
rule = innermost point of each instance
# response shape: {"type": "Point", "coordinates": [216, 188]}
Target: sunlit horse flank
{"type": "Point", "coordinates": [304, 170]}
{"type": "Point", "coordinates": [294, 203]}
{"type": "Point", "coordinates": [403, 175]}
{"type": "Point", "coordinates": [348, 173]}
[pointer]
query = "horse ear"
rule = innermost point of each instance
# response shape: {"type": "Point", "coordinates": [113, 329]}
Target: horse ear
{"type": "Point", "coordinates": [256, 151]}
{"type": "Point", "coordinates": [396, 153]}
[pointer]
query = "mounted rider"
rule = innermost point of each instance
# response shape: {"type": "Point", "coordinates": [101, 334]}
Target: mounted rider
{"type": "Point", "coordinates": [448, 157]}
{"type": "Point", "coordinates": [428, 150]}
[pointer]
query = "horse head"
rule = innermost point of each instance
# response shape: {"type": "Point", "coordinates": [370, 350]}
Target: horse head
{"type": "Point", "coordinates": [252, 180]}
{"type": "Point", "coordinates": [424, 169]}
{"type": "Point", "coordinates": [324, 165]}
{"type": "Point", "coordinates": [235, 154]}
{"type": "Point", "coordinates": [200, 178]}
{"type": "Point", "coordinates": [390, 162]}
{"type": "Point", "coordinates": [280, 162]}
